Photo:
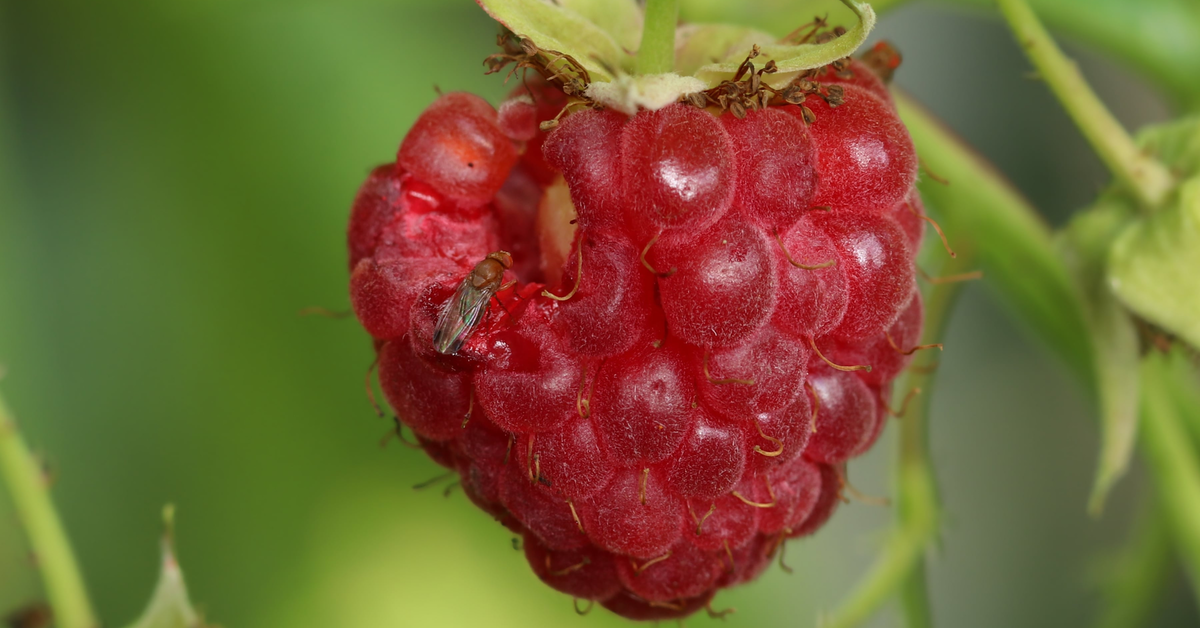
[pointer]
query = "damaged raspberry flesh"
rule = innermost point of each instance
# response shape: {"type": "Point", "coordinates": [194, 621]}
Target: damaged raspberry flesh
{"type": "Point", "coordinates": [684, 396]}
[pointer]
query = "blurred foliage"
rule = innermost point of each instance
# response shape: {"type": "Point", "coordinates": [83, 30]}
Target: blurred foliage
{"type": "Point", "coordinates": [174, 179]}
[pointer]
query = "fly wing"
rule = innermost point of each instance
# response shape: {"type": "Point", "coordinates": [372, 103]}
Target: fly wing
{"type": "Point", "coordinates": [460, 316]}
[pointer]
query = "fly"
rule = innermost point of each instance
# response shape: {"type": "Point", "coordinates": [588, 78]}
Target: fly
{"type": "Point", "coordinates": [463, 313]}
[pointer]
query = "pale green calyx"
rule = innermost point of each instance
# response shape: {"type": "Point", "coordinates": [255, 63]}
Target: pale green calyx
{"type": "Point", "coordinates": [602, 37]}
{"type": "Point", "coordinates": [628, 93]}
{"type": "Point", "coordinates": [1152, 265]}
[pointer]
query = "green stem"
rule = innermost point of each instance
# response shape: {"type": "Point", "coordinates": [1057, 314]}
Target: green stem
{"type": "Point", "coordinates": [1013, 244]}
{"type": "Point", "coordinates": [914, 598]}
{"type": "Point", "coordinates": [1147, 178]}
{"type": "Point", "coordinates": [1172, 461]}
{"type": "Point", "coordinates": [1139, 576]}
{"type": "Point", "coordinates": [901, 563]}
{"type": "Point", "coordinates": [60, 572]}
{"type": "Point", "coordinates": [656, 55]}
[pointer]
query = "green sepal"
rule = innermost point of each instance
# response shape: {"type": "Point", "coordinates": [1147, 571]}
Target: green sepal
{"type": "Point", "coordinates": [701, 44]}
{"type": "Point", "coordinates": [558, 28]}
{"type": "Point", "coordinates": [169, 606]}
{"type": "Point", "coordinates": [792, 59]}
{"type": "Point", "coordinates": [621, 19]}
{"type": "Point", "coordinates": [777, 17]}
{"type": "Point", "coordinates": [603, 38]}
{"type": "Point", "coordinates": [1175, 143]}
{"type": "Point", "coordinates": [1084, 246]}
{"type": "Point", "coordinates": [1154, 265]}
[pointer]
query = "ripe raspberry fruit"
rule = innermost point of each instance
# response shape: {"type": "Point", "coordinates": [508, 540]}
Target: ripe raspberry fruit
{"type": "Point", "coordinates": [648, 339]}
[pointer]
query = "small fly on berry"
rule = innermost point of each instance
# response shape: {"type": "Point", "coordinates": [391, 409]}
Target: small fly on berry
{"type": "Point", "coordinates": [465, 310]}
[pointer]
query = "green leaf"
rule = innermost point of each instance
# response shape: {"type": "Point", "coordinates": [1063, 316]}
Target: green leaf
{"type": "Point", "coordinates": [979, 209]}
{"type": "Point", "coordinates": [169, 606]}
{"type": "Point", "coordinates": [558, 28]}
{"type": "Point", "coordinates": [621, 19]}
{"type": "Point", "coordinates": [1154, 266]}
{"type": "Point", "coordinates": [1084, 246]}
{"type": "Point", "coordinates": [792, 59]}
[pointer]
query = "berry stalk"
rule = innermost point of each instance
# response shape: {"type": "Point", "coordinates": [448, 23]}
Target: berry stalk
{"type": "Point", "coordinates": [1145, 176]}
{"type": "Point", "coordinates": [656, 55]}
{"type": "Point", "coordinates": [914, 598]}
{"type": "Point", "coordinates": [901, 563]}
{"type": "Point", "coordinates": [55, 559]}
{"type": "Point", "coordinates": [1017, 255]}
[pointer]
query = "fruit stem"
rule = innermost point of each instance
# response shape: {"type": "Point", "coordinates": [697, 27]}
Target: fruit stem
{"type": "Point", "coordinates": [1014, 246]}
{"type": "Point", "coordinates": [1146, 177]}
{"type": "Point", "coordinates": [914, 598]}
{"type": "Point", "coordinates": [900, 567]}
{"type": "Point", "coordinates": [31, 499]}
{"type": "Point", "coordinates": [1172, 459]}
{"type": "Point", "coordinates": [656, 55]}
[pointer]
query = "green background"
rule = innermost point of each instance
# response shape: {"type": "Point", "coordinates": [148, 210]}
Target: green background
{"type": "Point", "coordinates": [174, 183]}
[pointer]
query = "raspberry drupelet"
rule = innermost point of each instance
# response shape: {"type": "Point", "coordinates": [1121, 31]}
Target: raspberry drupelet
{"type": "Point", "coordinates": [696, 329]}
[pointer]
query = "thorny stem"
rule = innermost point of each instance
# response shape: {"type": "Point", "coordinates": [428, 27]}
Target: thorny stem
{"type": "Point", "coordinates": [51, 548]}
{"type": "Point", "coordinates": [1147, 178]}
{"type": "Point", "coordinates": [1172, 460]}
{"type": "Point", "coordinates": [900, 567]}
{"type": "Point", "coordinates": [656, 55]}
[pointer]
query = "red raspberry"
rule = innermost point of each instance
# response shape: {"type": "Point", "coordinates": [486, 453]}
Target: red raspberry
{"type": "Point", "coordinates": [865, 159]}
{"type": "Point", "coordinates": [660, 390]}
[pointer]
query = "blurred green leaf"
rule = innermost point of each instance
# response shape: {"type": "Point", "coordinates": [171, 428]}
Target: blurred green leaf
{"type": "Point", "coordinates": [170, 606]}
{"type": "Point", "coordinates": [1084, 245]}
{"type": "Point", "coordinates": [1012, 244]}
{"type": "Point", "coordinates": [1153, 265]}
{"type": "Point", "coordinates": [563, 30]}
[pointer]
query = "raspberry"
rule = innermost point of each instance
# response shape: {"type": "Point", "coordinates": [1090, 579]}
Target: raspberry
{"type": "Point", "coordinates": [723, 285]}
{"type": "Point", "coordinates": [661, 373]}
{"type": "Point", "coordinates": [865, 159]}
{"type": "Point", "coordinates": [775, 167]}
{"type": "Point", "coordinates": [586, 148]}
{"type": "Point", "coordinates": [679, 161]}
{"type": "Point", "coordinates": [457, 147]}
{"type": "Point", "coordinates": [642, 405]}
{"type": "Point", "coordinates": [872, 252]}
